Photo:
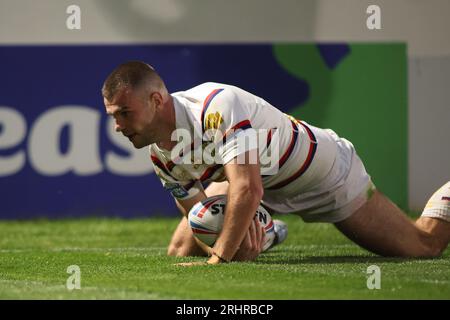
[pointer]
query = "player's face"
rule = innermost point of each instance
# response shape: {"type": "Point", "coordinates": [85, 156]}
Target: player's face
{"type": "Point", "coordinates": [135, 115]}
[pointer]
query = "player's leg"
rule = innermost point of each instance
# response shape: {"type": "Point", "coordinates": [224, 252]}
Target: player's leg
{"type": "Point", "coordinates": [216, 188]}
{"type": "Point", "coordinates": [183, 243]}
{"type": "Point", "coordinates": [381, 227]}
{"type": "Point", "coordinates": [435, 218]}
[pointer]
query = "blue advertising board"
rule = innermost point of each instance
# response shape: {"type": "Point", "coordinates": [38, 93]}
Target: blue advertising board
{"type": "Point", "coordinates": [59, 156]}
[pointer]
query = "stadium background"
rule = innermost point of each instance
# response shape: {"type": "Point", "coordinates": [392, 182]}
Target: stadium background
{"type": "Point", "coordinates": [385, 90]}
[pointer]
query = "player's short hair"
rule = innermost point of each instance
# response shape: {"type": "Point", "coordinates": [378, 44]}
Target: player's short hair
{"type": "Point", "coordinates": [132, 74]}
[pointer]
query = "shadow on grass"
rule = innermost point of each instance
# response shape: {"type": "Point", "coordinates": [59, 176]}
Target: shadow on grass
{"type": "Point", "coordinates": [363, 259]}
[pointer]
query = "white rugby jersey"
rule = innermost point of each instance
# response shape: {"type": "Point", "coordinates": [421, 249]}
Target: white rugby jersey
{"type": "Point", "coordinates": [224, 115]}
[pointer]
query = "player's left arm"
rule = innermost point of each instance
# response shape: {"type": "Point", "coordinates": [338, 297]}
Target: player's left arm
{"type": "Point", "coordinates": [244, 195]}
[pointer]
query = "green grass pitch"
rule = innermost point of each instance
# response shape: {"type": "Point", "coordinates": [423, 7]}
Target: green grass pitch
{"type": "Point", "coordinates": [126, 259]}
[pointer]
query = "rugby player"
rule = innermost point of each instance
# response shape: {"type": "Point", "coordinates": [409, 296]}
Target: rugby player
{"type": "Point", "coordinates": [319, 176]}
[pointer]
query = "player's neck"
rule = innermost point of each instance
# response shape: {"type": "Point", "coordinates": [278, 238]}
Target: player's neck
{"type": "Point", "coordinates": [166, 145]}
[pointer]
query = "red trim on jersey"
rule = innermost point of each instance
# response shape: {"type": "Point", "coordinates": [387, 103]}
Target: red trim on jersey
{"type": "Point", "coordinates": [170, 165]}
{"type": "Point", "coordinates": [243, 125]}
{"type": "Point", "coordinates": [269, 138]}
{"type": "Point", "coordinates": [209, 172]}
{"type": "Point", "coordinates": [159, 164]}
{"type": "Point", "coordinates": [189, 185]}
{"type": "Point", "coordinates": [291, 146]}
{"type": "Point", "coordinates": [306, 163]}
{"type": "Point", "coordinates": [206, 104]}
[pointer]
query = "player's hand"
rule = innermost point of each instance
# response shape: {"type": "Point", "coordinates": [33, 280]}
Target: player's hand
{"type": "Point", "coordinates": [213, 260]}
{"type": "Point", "coordinates": [190, 264]}
{"type": "Point", "coordinates": [250, 247]}
{"type": "Point", "coordinates": [253, 242]}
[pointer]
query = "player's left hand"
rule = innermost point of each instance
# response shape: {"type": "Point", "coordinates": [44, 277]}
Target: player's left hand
{"type": "Point", "coordinates": [190, 264]}
{"type": "Point", "coordinates": [213, 260]}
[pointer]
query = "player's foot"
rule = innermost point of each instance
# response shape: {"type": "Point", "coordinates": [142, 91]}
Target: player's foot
{"type": "Point", "coordinates": [281, 232]}
{"type": "Point", "coordinates": [439, 204]}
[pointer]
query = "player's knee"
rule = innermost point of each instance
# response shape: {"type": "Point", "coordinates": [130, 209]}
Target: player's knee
{"type": "Point", "coordinates": [431, 248]}
{"type": "Point", "coordinates": [175, 250]}
{"type": "Point", "coordinates": [172, 250]}
{"type": "Point", "coordinates": [435, 250]}
{"type": "Point", "coordinates": [180, 250]}
{"type": "Point", "coordinates": [427, 253]}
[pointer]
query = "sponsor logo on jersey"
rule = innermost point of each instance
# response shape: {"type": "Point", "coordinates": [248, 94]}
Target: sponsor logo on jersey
{"type": "Point", "coordinates": [176, 190]}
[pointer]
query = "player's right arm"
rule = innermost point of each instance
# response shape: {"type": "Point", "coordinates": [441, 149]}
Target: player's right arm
{"type": "Point", "coordinates": [186, 194]}
{"type": "Point", "coordinates": [185, 206]}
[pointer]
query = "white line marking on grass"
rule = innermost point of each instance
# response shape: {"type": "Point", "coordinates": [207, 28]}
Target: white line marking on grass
{"type": "Point", "coordinates": [39, 286]}
{"type": "Point", "coordinates": [87, 249]}
{"type": "Point", "coordinates": [14, 250]}
{"type": "Point", "coordinates": [124, 249]}
{"type": "Point", "coordinates": [434, 281]}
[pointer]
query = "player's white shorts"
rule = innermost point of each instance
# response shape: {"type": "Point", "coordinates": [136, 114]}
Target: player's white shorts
{"type": "Point", "coordinates": [342, 191]}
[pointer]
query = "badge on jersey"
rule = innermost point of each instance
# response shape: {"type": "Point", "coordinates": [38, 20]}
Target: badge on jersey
{"type": "Point", "coordinates": [177, 190]}
{"type": "Point", "coordinates": [213, 121]}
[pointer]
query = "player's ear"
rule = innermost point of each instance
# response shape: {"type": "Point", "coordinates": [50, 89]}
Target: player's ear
{"type": "Point", "coordinates": [156, 98]}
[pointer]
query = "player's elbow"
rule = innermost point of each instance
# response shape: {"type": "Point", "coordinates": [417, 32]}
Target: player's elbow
{"type": "Point", "coordinates": [259, 192]}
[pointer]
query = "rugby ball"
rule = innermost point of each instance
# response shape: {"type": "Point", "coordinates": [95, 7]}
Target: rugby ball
{"type": "Point", "coordinates": [206, 220]}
